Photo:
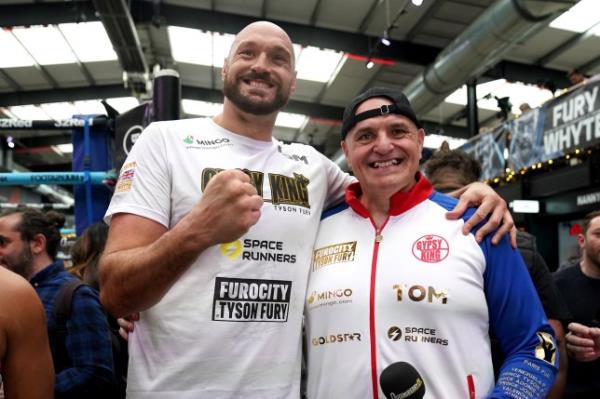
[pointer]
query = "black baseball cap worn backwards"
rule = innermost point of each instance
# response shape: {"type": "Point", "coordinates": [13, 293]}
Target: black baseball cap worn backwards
{"type": "Point", "coordinates": [400, 105]}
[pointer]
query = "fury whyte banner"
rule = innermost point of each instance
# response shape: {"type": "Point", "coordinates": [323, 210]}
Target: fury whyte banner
{"type": "Point", "coordinates": [488, 149]}
{"type": "Point", "coordinates": [572, 120]}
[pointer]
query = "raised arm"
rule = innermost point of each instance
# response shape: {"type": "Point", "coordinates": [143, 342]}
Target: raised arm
{"type": "Point", "coordinates": [143, 259]}
{"type": "Point", "coordinates": [27, 368]}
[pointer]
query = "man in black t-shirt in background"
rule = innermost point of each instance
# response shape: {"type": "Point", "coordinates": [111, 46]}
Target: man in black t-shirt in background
{"type": "Point", "coordinates": [580, 287]}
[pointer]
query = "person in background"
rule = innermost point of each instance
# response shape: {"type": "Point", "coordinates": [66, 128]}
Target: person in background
{"type": "Point", "coordinates": [82, 355]}
{"type": "Point", "coordinates": [85, 255]}
{"type": "Point", "coordinates": [452, 169]}
{"type": "Point", "coordinates": [393, 280]}
{"type": "Point", "coordinates": [576, 77]}
{"type": "Point", "coordinates": [86, 252]}
{"type": "Point", "coordinates": [580, 287]}
{"type": "Point", "coordinates": [26, 368]}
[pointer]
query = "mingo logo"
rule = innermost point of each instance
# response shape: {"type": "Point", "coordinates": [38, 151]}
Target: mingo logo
{"type": "Point", "coordinates": [336, 253]}
{"type": "Point", "coordinates": [207, 143]}
{"type": "Point", "coordinates": [431, 248]}
{"type": "Point", "coordinates": [333, 297]}
{"type": "Point", "coordinates": [231, 250]}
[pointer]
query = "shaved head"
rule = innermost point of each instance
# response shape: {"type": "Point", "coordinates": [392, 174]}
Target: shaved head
{"type": "Point", "coordinates": [263, 28]}
{"type": "Point", "coordinates": [258, 74]}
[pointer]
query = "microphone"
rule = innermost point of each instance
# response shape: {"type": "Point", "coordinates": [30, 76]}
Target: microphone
{"type": "Point", "coordinates": [401, 380]}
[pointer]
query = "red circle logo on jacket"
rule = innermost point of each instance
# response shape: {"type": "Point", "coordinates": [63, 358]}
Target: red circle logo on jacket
{"type": "Point", "coordinates": [431, 248]}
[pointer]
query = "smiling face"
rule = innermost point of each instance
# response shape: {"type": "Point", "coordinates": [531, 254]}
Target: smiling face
{"type": "Point", "coordinates": [384, 151]}
{"type": "Point", "coordinates": [258, 75]}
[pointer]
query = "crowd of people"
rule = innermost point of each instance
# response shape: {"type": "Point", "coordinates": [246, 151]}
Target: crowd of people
{"type": "Point", "coordinates": [224, 248]}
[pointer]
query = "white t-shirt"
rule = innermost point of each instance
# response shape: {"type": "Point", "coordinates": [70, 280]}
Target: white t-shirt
{"type": "Point", "coordinates": [230, 327]}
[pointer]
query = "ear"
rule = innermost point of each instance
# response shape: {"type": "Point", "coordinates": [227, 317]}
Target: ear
{"type": "Point", "coordinates": [581, 240]}
{"type": "Point", "coordinates": [346, 151]}
{"type": "Point", "coordinates": [421, 141]}
{"type": "Point", "coordinates": [38, 244]}
{"type": "Point", "coordinates": [225, 68]}
{"type": "Point", "coordinates": [293, 85]}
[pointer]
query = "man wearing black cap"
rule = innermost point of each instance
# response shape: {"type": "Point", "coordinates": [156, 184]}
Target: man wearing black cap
{"type": "Point", "coordinates": [392, 279]}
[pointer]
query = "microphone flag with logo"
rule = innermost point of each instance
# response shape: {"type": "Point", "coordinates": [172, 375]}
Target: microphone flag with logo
{"type": "Point", "coordinates": [401, 380]}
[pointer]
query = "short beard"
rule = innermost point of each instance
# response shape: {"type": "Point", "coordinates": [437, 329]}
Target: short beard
{"type": "Point", "coordinates": [255, 108]}
{"type": "Point", "coordinates": [23, 264]}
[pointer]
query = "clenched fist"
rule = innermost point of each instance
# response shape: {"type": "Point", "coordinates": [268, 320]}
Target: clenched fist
{"type": "Point", "coordinates": [229, 206]}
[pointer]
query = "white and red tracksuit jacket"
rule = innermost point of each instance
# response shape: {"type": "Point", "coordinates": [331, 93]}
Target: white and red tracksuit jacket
{"type": "Point", "coordinates": [421, 292]}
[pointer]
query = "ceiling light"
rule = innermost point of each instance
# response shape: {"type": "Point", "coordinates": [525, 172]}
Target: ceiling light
{"type": "Point", "coordinates": [286, 119]}
{"type": "Point", "coordinates": [28, 112]}
{"type": "Point", "coordinates": [318, 64]}
{"type": "Point", "coordinates": [191, 46]}
{"type": "Point", "coordinates": [200, 108]}
{"type": "Point", "coordinates": [435, 141]}
{"type": "Point", "coordinates": [385, 40]}
{"type": "Point", "coordinates": [18, 56]}
{"type": "Point", "coordinates": [370, 64]}
{"type": "Point", "coordinates": [63, 148]}
{"type": "Point", "coordinates": [46, 44]}
{"type": "Point", "coordinates": [89, 41]}
{"type": "Point", "coordinates": [417, 2]}
{"type": "Point", "coordinates": [123, 104]}
{"type": "Point", "coordinates": [579, 18]}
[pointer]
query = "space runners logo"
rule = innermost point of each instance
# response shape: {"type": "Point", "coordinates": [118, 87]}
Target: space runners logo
{"type": "Point", "coordinates": [243, 300]}
{"type": "Point", "coordinates": [336, 253]}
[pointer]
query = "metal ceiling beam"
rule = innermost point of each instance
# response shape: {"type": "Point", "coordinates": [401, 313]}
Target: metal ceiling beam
{"type": "Point", "coordinates": [593, 64]}
{"type": "Point", "coordinates": [46, 13]}
{"type": "Point", "coordinates": [572, 42]}
{"type": "Point", "coordinates": [294, 106]}
{"type": "Point", "coordinates": [11, 82]}
{"type": "Point", "coordinates": [356, 43]}
{"type": "Point", "coordinates": [364, 24]}
{"type": "Point", "coordinates": [119, 25]}
{"type": "Point", "coordinates": [63, 94]}
{"type": "Point", "coordinates": [188, 92]}
{"type": "Point", "coordinates": [315, 14]}
{"type": "Point", "coordinates": [433, 8]}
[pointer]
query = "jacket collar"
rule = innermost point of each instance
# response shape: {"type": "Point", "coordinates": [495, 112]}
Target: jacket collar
{"type": "Point", "coordinates": [400, 201]}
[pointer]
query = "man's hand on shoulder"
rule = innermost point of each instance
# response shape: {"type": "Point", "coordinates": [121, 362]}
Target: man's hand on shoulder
{"type": "Point", "coordinates": [488, 202]}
